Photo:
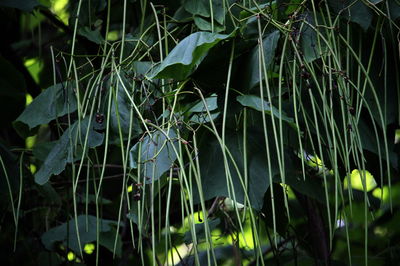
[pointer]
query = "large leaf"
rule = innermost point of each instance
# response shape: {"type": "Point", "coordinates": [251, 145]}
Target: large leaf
{"type": "Point", "coordinates": [121, 113]}
{"type": "Point", "coordinates": [355, 11]}
{"type": "Point", "coordinates": [213, 174]}
{"type": "Point", "coordinates": [369, 142]}
{"type": "Point", "coordinates": [198, 7]}
{"type": "Point", "coordinates": [200, 231]}
{"type": "Point", "coordinates": [53, 102]}
{"type": "Point", "coordinates": [91, 35]}
{"type": "Point", "coordinates": [312, 45]}
{"type": "Point", "coordinates": [255, 102]}
{"type": "Point", "coordinates": [187, 55]}
{"type": "Point", "coordinates": [394, 9]}
{"type": "Point", "coordinates": [203, 8]}
{"type": "Point", "coordinates": [251, 75]}
{"type": "Point", "coordinates": [157, 155]}
{"type": "Point", "coordinates": [24, 5]}
{"type": "Point", "coordinates": [210, 104]}
{"type": "Point", "coordinates": [66, 233]}
{"type": "Point", "coordinates": [205, 25]}
{"type": "Point", "coordinates": [61, 153]}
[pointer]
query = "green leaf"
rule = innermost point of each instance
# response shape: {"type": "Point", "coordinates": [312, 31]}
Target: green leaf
{"type": "Point", "coordinates": [370, 143]}
{"type": "Point", "coordinates": [107, 240]}
{"type": "Point", "coordinates": [254, 102]}
{"type": "Point", "coordinates": [182, 61]}
{"type": "Point", "coordinates": [211, 104]}
{"type": "Point", "coordinates": [202, 118]}
{"type": "Point", "coordinates": [251, 75]}
{"type": "Point", "coordinates": [121, 110]}
{"type": "Point", "coordinates": [197, 7]}
{"type": "Point", "coordinates": [24, 5]}
{"type": "Point", "coordinates": [91, 35]}
{"type": "Point", "coordinates": [394, 9]}
{"type": "Point", "coordinates": [200, 231]}
{"type": "Point", "coordinates": [61, 153]}
{"type": "Point", "coordinates": [41, 150]}
{"type": "Point", "coordinates": [56, 101]}
{"type": "Point", "coordinates": [213, 174]}
{"type": "Point", "coordinates": [157, 155]}
{"type": "Point", "coordinates": [203, 8]}
{"type": "Point", "coordinates": [66, 233]}
{"type": "Point", "coordinates": [205, 25]}
{"type": "Point", "coordinates": [355, 11]}
{"type": "Point", "coordinates": [311, 47]}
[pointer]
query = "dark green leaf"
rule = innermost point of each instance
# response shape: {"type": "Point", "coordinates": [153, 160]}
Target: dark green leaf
{"type": "Point", "coordinates": [24, 5]}
{"type": "Point", "coordinates": [107, 240]}
{"type": "Point", "coordinates": [213, 175]}
{"type": "Point", "coordinates": [61, 153]}
{"type": "Point", "coordinates": [121, 108]}
{"type": "Point", "coordinates": [251, 75]}
{"type": "Point", "coordinates": [41, 150]}
{"type": "Point", "coordinates": [203, 8]}
{"type": "Point", "coordinates": [157, 154]}
{"type": "Point", "coordinates": [202, 118]}
{"type": "Point", "coordinates": [91, 35]}
{"type": "Point", "coordinates": [394, 9]}
{"type": "Point", "coordinates": [200, 231]}
{"type": "Point", "coordinates": [355, 11]}
{"type": "Point", "coordinates": [198, 7]}
{"type": "Point", "coordinates": [205, 25]}
{"type": "Point", "coordinates": [255, 102]}
{"type": "Point", "coordinates": [53, 102]}
{"type": "Point", "coordinates": [311, 46]}
{"type": "Point", "coordinates": [66, 233]}
{"type": "Point", "coordinates": [187, 55]}
{"type": "Point", "coordinates": [211, 103]}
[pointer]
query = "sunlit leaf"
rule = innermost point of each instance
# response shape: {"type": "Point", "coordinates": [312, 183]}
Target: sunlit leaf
{"type": "Point", "coordinates": [361, 180]}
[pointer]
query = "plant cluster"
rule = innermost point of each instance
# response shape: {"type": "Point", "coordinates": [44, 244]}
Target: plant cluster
{"type": "Point", "coordinates": [200, 132]}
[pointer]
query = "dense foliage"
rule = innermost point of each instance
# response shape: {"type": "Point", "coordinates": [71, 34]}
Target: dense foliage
{"type": "Point", "coordinates": [200, 132]}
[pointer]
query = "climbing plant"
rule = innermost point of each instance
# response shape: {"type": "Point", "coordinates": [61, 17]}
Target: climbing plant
{"type": "Point", "coordinates": [200, 132]}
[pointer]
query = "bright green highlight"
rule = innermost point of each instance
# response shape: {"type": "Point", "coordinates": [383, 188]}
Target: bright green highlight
{"type": "Point", "coordinates": [397, 136]}
{"type": "Point", "coordinates": [113, 35]}
{"type": "Point", "coordinates": [89, 248]}
{"type": "Point", "coordinates": [356, 178]}
{"type": "Point", "coordinates": [34, 66]}
{"type": "Point", "coordinates": [381, 193]}
{"type": "Point", "coordinates": [59, 7]}
{"type": "Point", "coordinates": [71, 256]}
{"type": "Point", "coordinates": [30, 142]}
{"type": "Point", "coordinates": [28, 98]}
{"type": "Point", "coordinates": [32, 168]}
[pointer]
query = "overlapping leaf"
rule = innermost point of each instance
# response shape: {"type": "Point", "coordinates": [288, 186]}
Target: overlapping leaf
{"type": "Point", "coordinates": [187, 55]}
